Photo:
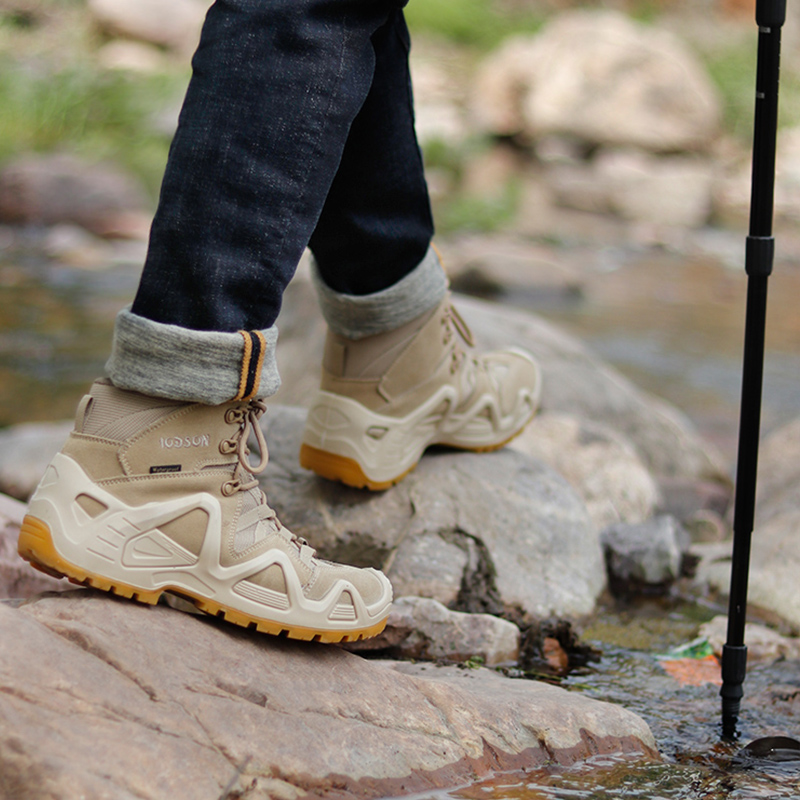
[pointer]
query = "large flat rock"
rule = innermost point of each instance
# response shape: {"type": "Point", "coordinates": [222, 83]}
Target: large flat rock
{"type": "Point", "coordinates": [104, 698]}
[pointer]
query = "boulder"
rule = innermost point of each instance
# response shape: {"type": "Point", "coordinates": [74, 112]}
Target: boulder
{"type": "Point", "coordinates": [435, 633]}
{"type": "Point", "coordinates": [644, 558]}
{"type": "Point", "coordinates": [175, 25]}
{"type": "Point", "coordinates": [764, 645]}
{"type": "Point", "coordinates": [597, 462]}
{"type": "Point", "coordinates": [775, 549]}
{"type": "Point", "coordinates": [58, 188]}
{"type": "Point", "coordinates": [602, 78]}
{"type": "Point", "coordinates": [106, 698]}
{"type": "Point", "coordinates": [666, 190]}
{"type": "Point", "coordinates": [478, 532]}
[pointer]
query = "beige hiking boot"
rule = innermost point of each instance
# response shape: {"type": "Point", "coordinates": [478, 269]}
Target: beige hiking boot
{"type": "Point", "coordinates": [151, 496]}
{"type": "Point", "coordinates": [385, 398]}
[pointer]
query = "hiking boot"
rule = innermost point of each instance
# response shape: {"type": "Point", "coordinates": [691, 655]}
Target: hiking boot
{"type": "Point", "coordinates": [151, 495]}
{"type": "Point", "coordinates": [385, 398]}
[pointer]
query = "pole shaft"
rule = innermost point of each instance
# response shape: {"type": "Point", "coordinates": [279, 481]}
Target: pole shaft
{"type": "Point", "coordinates": [770, 15]}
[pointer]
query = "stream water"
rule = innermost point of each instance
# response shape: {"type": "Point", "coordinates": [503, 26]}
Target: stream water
{"type": "Point", "coordinates": [674, 325]}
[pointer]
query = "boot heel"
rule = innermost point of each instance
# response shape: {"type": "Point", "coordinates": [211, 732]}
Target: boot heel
{"type": "Point", "coordinates": [340, 468]}
{"type": "Point", "coordinates": [36, 546]}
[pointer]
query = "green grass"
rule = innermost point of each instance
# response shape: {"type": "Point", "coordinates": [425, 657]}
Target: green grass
{"type": "Point", "coordinates": [102, 115]}
{"type": "Point", "coordinates": [733, 70]}
{"type": "Point", "coordinates": [469, 22]}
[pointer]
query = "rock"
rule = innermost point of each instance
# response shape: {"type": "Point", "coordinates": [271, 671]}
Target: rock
{"type": "Point", "coordinates": [497, 265]}
{"type": "Point", "coordinates": [706, 526]}
{"type": "Point", "coordinates": [666, 190]}
{"type": "Point", "coordinates": [600, 77]}
{"type": "Point", "coordinates": [474, 531]}
{"type": "Point", "coordinates": [128, 56]}
{"type": "Point", "coordinates": [638, 186]}
{"type": "Point", "coordinates": [597, 462]}
{"type": "Point", "coordinates": [17, 578]}
{"type": "Point", "coordinates": [683, 497]}
{"type": "Point", "coordinates": [75, 246]}
{"type": "Point", "coordinates": [575, 382]}
{"type": "Point", "coordinates": [775, 550]}
{"type": "Point", "coordinates": [438, 113]}
{"type": "Point", "coordinates": [733, 190]}
{"type": "Point", "coordinates": [764, 645]}
{"type": "Point", "coordinates": [779, 473]}
{"type": "Point", "coordinates": [52, 189]}
{"type": "Point", "coordinates": [123, 700]}
{"type": "Point", "coordinates": [646, 557]}
{"type": "Point", "coordinates": [25, 452]}
{"type": "Point", "coordinates": [435, 633]}
{"type": "Point", "coordinates": [175, 25]}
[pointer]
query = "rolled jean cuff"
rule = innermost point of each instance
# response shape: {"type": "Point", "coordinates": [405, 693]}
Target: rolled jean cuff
{"type": "Point", "coordinates": [357, 316]}
{"type": "Point", "coordinates": [195, 366]}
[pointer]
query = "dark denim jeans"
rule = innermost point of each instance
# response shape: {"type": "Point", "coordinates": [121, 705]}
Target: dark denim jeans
{"type": "Point", "coordinates": [297, 130]}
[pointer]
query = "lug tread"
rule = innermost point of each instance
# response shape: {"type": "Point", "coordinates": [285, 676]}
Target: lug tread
{"type": "Point", "coordinates": [36, 546]}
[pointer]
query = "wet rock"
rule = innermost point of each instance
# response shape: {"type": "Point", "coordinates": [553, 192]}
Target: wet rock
{"type": "Point", "coordinates": [17, 579]}
{"type": "Point", "coordinates": [600, 77]}
{"type": "Point", "coordinates": [644, 558]}
{"type": "Point", "coordinates": [25, 452]}
{"type": "Point", "coordinates": [53, 189]}
{"type": "Point", "coordinates": [434, 633]}
{"type": "Point", "coordinates": [597, 462]}
{"type": "Point", "coordinates": [174, 25]}
{"type": "Point", "coordinates": [124, 700]}
{"type": "Point", "coordinates": [764, 645]}
{"type": "Point", "coordinates": [477, 532]}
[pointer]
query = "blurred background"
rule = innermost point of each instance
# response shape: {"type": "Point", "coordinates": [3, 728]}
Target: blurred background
{"type": "Point", "coordinates": [587, 161]}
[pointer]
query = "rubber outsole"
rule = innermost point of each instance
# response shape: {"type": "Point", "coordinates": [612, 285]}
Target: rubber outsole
{"type": "Point", "coordinates": [349, 472]}
{"type": "Point", "coordinates": [37, 547]}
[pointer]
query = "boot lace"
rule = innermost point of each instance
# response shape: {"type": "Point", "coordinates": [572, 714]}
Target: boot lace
{"type": "Point", "coordinates": [453, 324]}
{"type": "Point", "coordinates": [247, 418]}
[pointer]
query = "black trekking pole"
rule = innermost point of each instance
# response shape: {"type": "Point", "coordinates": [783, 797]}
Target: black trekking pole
{"type": "Point", "coordinates": [770, 16]}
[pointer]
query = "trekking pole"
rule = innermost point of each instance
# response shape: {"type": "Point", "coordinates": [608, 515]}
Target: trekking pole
{"type": "Point", "coordinates": [770, 16]}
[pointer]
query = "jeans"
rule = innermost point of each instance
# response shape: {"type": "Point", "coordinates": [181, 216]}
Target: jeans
{"type": "Point", "coordinates": [297, 129]}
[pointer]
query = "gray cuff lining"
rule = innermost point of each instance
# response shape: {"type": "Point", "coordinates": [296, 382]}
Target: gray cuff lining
{"type": "Point", "coordinates": [181, 364]}
{"type": "Point", "coordinates": [357, 316]}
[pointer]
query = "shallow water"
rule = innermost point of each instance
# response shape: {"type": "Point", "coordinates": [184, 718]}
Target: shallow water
{"type": "Point", "coordinates": [685, 721]}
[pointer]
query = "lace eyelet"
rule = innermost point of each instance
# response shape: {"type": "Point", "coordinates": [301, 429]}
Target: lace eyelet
{"type": "Point", "coordinates": [229, 488]}
{"type": "Point", "coordinates": [234, 416]}
{"type": "Point", "coordinates": [228, 446]}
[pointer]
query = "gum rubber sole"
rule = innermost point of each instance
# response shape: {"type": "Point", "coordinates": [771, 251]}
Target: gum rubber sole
{"type": "Point", "coordinates": [348, 471]}
{"type": "Point", "coordinates": [36, 546]}
{"type": "Point", "coordinates": [341, 468]}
